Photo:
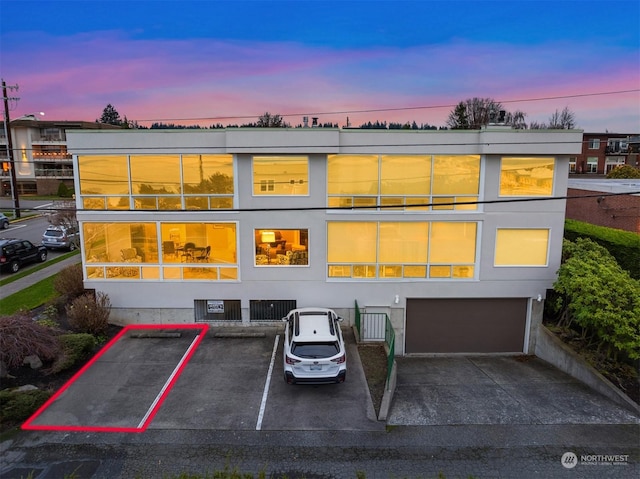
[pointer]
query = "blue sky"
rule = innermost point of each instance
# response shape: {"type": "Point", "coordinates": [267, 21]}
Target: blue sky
{"type": "Point", "coordinates": [230, 61]}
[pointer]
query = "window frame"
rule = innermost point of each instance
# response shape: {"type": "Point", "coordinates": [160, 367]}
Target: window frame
{"type": "Point", "coordinates": [522, 248]}
{"type": "Point", "coordinates": [512, 192]}
{"type": "Point", "coordinates": [361, 270]}
{"type": "Point", "coordinates": [297, 256]}
{"type": "Point", "coordinates": [267, 187]}
{"type": "Point", "coordinates": [380, 202]}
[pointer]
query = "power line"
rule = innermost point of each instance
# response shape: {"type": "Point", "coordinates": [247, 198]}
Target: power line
{"type": "Point", "coordinates": [345, 208]}
{"type": "Point", "coordinates": [380, 110]}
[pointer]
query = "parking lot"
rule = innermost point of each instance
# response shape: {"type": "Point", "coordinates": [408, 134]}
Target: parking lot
{"type": "Point", "coordinates": [185, 377]}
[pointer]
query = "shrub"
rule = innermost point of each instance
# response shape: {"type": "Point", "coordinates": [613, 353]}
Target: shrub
{"type": "Point", "coordinates": [20, 337]}
{"type": "Point", "coordinates": [623, 245]}
{"type": "Point", "coordinates": [74, 348]}
{"type": "Point", "coordinates": [68, 282]}
{"type": "Point", "coordinates": [18, 406]}
{"type": "Point", "coordinates": [600, 297]}
{"type": "Point", "coordinates": [89, 313]}
{"type": "Point", "coordinates": [64, 191]}
{"type": "Point", "coordinates": [624, 171]}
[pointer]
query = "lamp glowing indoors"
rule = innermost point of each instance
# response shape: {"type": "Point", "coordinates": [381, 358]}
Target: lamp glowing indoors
{"type": "Point", "coordinates": [268, 237]}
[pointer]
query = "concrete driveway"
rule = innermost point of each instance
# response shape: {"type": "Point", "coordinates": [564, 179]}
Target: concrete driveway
{"type": "Point", "coordinates": [495, 390]}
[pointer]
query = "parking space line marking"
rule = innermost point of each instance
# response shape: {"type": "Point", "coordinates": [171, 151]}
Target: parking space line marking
{"type": "Point", "coordinates": [263, 404]}
{"type": "Point", "coordinates": [169, 381]}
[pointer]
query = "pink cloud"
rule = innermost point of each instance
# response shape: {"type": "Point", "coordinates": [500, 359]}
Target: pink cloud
{"type": "Point", "coordinates": [75, 77]}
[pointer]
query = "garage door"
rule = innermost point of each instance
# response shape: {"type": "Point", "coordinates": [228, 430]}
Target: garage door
{"type": "Point", "coordinates": [466, 325]}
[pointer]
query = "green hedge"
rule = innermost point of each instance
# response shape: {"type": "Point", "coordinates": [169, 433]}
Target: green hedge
{"type": "Point", "coordinates": [623, 245]}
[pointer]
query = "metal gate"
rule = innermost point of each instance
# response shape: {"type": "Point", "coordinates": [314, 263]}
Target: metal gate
{"type": "Point", "coordinates": [270, 309]}
{"type": "Point", "coordinates": [372, 326]}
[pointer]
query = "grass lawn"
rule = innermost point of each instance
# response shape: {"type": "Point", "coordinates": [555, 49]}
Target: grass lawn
{"type": "Point", "coordinates": [29, 298]}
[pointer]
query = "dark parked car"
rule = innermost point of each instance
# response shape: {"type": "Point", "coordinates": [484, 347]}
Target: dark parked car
{"type": "Point", "coordinates": [16, 252]}
{"type": "Point", "coordinates": [4, 221]}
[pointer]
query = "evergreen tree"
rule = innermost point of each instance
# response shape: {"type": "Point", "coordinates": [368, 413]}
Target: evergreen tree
{"type": "Point", "coordinates": [110, 116]}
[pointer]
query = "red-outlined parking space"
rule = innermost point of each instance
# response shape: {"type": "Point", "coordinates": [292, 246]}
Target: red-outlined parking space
{"type": "Point", "coordinates": [123, 386]}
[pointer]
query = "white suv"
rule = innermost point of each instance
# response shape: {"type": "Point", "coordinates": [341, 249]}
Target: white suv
{"type": "Point", "coordinates": [314, 351]}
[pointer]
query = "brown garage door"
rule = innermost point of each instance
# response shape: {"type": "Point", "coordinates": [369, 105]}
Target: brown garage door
{"type": "Point", "coordinates": [466, 325]}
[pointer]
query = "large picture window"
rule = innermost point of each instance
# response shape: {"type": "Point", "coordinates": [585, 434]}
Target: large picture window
{"type": "Point", "coordinates": [403, 182]}
{"type": "Point", "coordinates": [521, 247]}
{"type": "Point", "coordinates": [280, 175]}
{"type": "Point", "coordinates": [207, 181]}
{"type": "Point", "coordinates": [379, 250]}
{"type": "Point", "coordinates": [281, 247]}
{"type": "Point", "coordinates": [104, 182]}
{"type": "Point", "coordinates": [522, 176]}
{"type": "Point", "coordinates": [156, 182]}
{"type": "Point", "coordinates": [180, 251]}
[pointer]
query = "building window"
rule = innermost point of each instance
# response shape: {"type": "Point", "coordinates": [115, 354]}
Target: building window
{"type": "Point", "coordinates": [520, 176]}
{"type": "Point", "coordinates": [155, 181]}
{"type": "Point", "coordinates": [103, 175]}
{"type": "Point", "coordinates": [207, 182]}
{"type": "Point", "coordinates": [158, 182]}
{"type": "Point", "coordinates": [380, 250]}
{"type": "Point", "coordinates": [403, 182]}
{"type": "Point", "coordinates": [573, 161]}
{"type": "Point", "coordinates": [612, 162]}
{"type": "Point", "coordinates": [121, 250]}
{"type": "Point", "coordinates": [280, 175]}
{"type": "Point", "coordinates": [594, 144]}
{"type": "Point", "coordinates": [521, 247]}
{"type": "Point", "coordinates": [182, 251]}
{"type": "Point", "coordinates": [280, 247]}
{"type": "Point", "coordinates": [199, 251]}
{"type": "Point", "coordinates": [592, 164]}
{"type": "Point", "coordinates": [51, 134]}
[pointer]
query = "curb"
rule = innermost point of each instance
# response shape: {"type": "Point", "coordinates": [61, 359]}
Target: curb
{"type": "Point", "coordinates": [552, 350]}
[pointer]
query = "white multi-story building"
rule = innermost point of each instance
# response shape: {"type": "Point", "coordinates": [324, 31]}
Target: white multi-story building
{"type": "Point", "coordinates": [456, 235]}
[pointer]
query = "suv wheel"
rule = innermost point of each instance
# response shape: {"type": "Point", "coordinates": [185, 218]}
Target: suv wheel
{"type": "Point", "coordinates": [4, 225]}
{"type": "Point", "coordinates": [72, 246]}
{"type": "Point", "coordinates": [15, 266]}
{"type": "Point", "coordinates": [43, 256]}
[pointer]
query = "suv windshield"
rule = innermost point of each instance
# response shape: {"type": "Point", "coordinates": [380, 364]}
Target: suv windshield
{"type": "Point", "coordinates": [316, 350]}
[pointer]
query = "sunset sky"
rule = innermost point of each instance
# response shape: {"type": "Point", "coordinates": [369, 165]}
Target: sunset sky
{"type": "Point", "coordinates": [228, 62]}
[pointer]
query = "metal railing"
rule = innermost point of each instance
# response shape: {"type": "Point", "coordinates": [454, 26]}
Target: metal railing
{"type": "Point", "coordinates": [389, 338]}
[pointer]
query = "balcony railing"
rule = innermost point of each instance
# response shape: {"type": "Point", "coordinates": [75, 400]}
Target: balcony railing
{"type": "Point", "coordinates": [40, 138]}
{"type": "Point", "coordinates": [46, 173]}
{"type": "Point", "coordinates": [616, 150]}
{"type": "Point", "coordinates": [42, 155]}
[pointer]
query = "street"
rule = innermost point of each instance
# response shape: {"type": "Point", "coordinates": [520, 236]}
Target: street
{"type": "Point", "coordinates": [29, 228]}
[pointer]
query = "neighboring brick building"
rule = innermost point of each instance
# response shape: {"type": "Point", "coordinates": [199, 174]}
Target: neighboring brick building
{"type": "Point", "coordinates": [601, 152]}
{"type": "Point", "coordinates": [620, 212]}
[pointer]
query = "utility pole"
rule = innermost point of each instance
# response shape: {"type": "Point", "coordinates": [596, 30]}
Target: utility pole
{"type": "Point", "coordinates": [7, 131]}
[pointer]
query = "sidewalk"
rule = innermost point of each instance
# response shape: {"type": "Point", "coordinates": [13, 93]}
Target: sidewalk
{"type": "Point", "coordinates": [33, 278]}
